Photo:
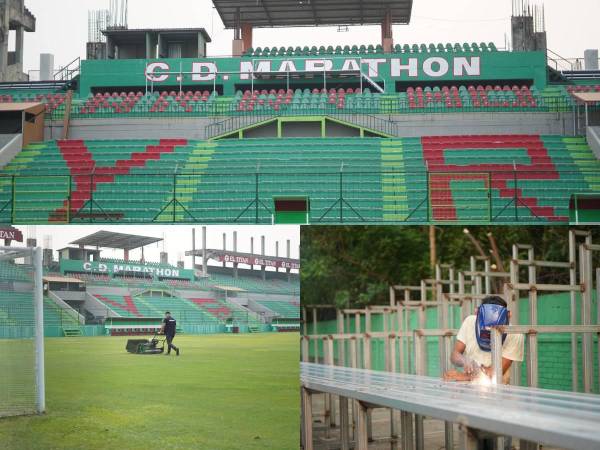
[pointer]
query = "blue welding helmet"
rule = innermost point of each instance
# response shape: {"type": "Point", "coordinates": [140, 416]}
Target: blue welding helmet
{"type": "Point", "coordinates": [489, 315]}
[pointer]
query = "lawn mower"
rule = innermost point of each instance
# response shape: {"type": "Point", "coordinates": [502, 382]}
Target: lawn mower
{"type": "Point", "coordinates": [154, 346]}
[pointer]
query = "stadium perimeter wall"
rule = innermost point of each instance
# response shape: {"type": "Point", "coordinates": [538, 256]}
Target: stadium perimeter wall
{"type": "Point", "coordinates": [554, 351]}
{"type": "Point", "coordinates": [414, 125]}
{"type": "Point", "coordinates": [197, 329]}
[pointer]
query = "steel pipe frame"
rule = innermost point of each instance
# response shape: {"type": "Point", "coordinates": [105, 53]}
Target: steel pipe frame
{"type": "Point", "coordinates": [564, 419]}
{"type": "Point", "coordinates": [419, 334]}
{"type": "Point", "coordinates": [587, 280]}
{"type": "Point", "coordinates": [532, 288]}
{"type": "Point", "coordinates": [330, 405]}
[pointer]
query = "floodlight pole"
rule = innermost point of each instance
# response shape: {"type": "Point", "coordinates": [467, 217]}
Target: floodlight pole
{"type": "Point", "coordinates": [39, 330]}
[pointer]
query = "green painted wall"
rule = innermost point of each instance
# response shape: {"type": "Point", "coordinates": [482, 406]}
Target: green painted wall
{"type": "Point", "coordinates": [554, 351]}
{"type": "Point", "coordinates": [381, 67]}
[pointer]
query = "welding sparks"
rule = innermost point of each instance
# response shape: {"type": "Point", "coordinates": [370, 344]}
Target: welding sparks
{"type": "Point", "coordinates": [482, 380]}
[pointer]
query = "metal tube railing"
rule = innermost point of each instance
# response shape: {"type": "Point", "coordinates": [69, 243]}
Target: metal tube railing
{"type": "Point", "coordinates": [351, 196]}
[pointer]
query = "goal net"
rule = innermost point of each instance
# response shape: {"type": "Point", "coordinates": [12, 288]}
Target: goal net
{"type": "Point", "coordinates": [21, 332]}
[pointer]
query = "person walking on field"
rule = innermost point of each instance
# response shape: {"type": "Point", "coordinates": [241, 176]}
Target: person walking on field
{"type": "Point", "coordinates": [168, 328]}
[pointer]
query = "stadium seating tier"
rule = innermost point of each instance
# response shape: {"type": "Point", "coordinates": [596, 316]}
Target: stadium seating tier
{"type": "Point", "coordinates": [464, 178]}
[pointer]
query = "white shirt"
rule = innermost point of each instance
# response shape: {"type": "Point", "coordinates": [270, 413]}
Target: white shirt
{"type": "Point", "coordinates": [512, 348]}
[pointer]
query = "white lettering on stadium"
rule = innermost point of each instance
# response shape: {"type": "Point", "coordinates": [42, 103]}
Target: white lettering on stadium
{"type": "Point", "coordinates": [433, 67]}
{"type": "Point", "coordinates": [129, 268]}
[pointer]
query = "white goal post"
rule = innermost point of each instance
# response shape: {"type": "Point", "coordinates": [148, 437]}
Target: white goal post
{"type": "Point", "coordinates": [22, 378]}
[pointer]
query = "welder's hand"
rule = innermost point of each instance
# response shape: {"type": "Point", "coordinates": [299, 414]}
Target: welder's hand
{"type": "Point", "coordinates": [471, 367]}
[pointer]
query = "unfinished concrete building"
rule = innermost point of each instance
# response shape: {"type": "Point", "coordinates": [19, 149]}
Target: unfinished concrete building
{"type": "Point", "coordinates": [14, 16]}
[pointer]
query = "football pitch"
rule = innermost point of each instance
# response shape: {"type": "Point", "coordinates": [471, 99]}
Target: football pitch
{"type": "Point", "coordinates": [223, 392]}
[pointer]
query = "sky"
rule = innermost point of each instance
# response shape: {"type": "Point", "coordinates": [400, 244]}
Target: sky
{"type": "Point", "coordinates": [62, 26]}
{"type": "Point", "coordinates": [177, 238]}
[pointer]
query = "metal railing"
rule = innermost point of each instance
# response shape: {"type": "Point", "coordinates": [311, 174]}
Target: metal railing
{"type": "Point", "coordinates": [69, 71]}
{"type": "Point", "coordinates": [336, 196]}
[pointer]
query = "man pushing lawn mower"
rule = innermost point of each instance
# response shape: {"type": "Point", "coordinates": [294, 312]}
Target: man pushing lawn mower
{"type": "Point", "coordinates": [168, 328]}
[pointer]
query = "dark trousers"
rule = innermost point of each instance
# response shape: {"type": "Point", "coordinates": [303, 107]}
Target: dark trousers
{"type": "Point", "coordinates": [170, 343]}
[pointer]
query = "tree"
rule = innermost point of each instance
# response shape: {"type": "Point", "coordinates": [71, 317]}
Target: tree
{"type": "Point", "coordinates": [354, 265]}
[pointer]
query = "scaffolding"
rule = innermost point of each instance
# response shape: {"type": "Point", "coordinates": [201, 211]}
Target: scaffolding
{"type": "Point", "coordinates": [97, 22]}
{"type": "Point", "coordinates": [454, 294]}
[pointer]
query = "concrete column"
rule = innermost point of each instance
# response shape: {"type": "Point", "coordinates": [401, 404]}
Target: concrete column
{"type": "Point", "coordinates": [46, 66]}
{"type": "Point", "coordinates": [235, 265]}
{"type": "Point", "coordinates": [160, 47]}
{"type": "Point", "coordinates": [252, 250]}
{"type": "Point", "coordinates": [47, 256]}
{"type": "Point", "coordinates": [204, 262]}
{"type": "Point", "coordinates": [247, 35]}
{"type": "Point", "coordinates": [193, 249]}
{"type": "Point", "coordinates": [277, 253]}
{"type": "Point", "coordinates": [5, 25]}
{"type": "Point", "coordinates": [262, 252]}
{"type": "Point", "coordinates": [110, 48]}
{"type": "Point", "coordinates": [149, 50]}
{"type": "Point", "coordinates": [164, 258]}
{"type": "Point", "coordinates": [126, 255]}
{"type": "Point", "coordinates": [19, 48]}
{"type": "Point", "coordinates": [201, 46]}
{"type": "Point", "coordinates": [224, 246]}
{"type": "Point", "coordinates": [31, 242]}
{"type": "Point", "coordinates": [243, 39]}
{"type": "Point", "coordinates": [591, 59]}
{"type": "Point", "coordinates": [287, 254]}
{"type": "Point", "coordinates": [387, 34]}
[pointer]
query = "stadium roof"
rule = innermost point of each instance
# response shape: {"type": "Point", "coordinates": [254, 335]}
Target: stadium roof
{"type": "Point", "coordinates": [588, 97]}
{"type": "Point", "coordinates": [59, 279]}
{"type": "Point", "coordinates": [12, 107]}
{"type": "Point", "coordinates": [297, 13]}
{"type": "Point", "coordinates": [121, 241]}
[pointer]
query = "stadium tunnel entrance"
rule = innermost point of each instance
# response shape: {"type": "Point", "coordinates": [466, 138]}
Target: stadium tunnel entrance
{"type": "Point", "coordinates": [303, 127]}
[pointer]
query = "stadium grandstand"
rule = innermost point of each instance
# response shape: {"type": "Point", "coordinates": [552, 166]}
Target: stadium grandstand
{"type": "Point", "coordinates": [150, 129]}
{"type": "Point", "coordinates": [86, 293]}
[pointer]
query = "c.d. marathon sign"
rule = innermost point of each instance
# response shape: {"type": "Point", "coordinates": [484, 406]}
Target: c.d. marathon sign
{"type": "Point", "coordinates": [411, 67]}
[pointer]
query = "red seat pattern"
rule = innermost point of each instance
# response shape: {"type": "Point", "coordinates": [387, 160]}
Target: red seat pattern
{"type": "Point", "coordinates": [120, 103]}
{"type": "Point", "coordinates": [82, 166]}
{"type": "Point", "coordinates": [276, 99]}
{"type": "Point", "coordinates": [499, 175]}
{"type": "Point", "coordinates": [475, 96]}
{"type": "Point", "coordinates": [52, 101]}
{"type": "Point", "coordinates": [213, 306]}
{"type": "Point", "coordinates": [128, 306]}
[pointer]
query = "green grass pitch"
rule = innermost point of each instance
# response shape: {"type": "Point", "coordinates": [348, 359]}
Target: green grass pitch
{"type": "Point", "coordinates": [224, 392]}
